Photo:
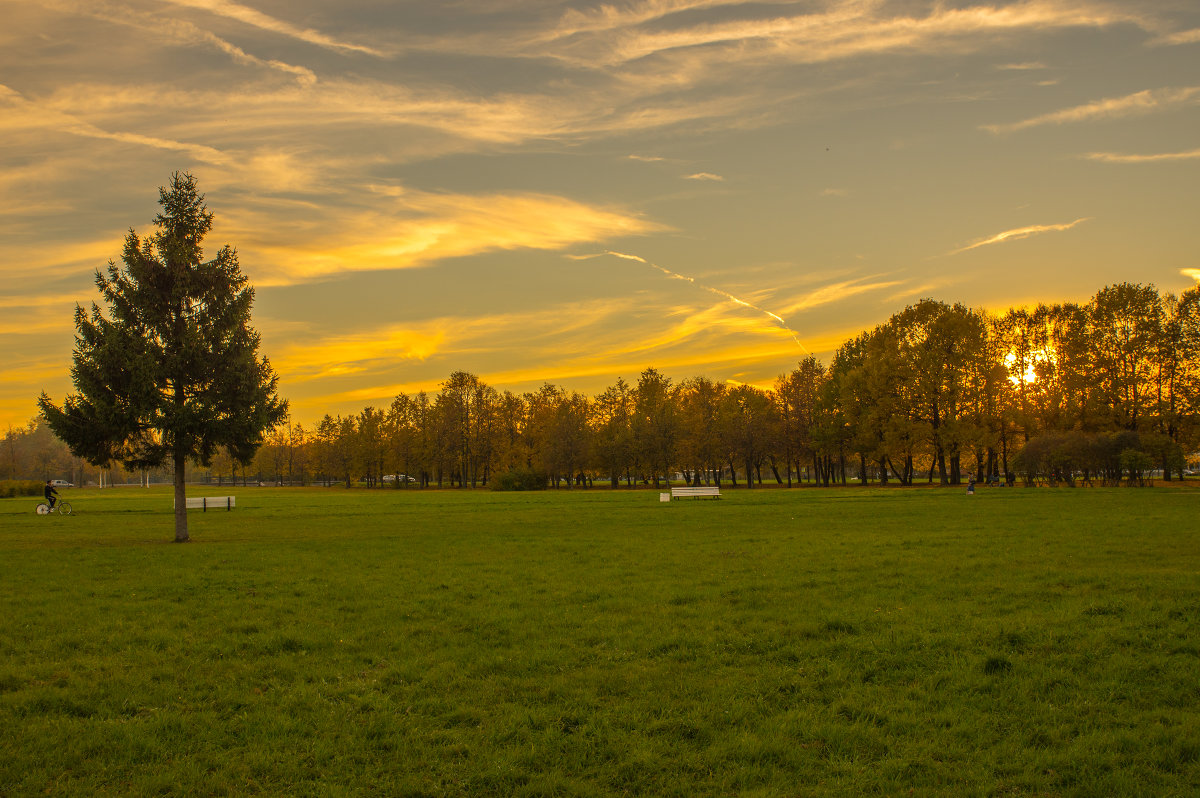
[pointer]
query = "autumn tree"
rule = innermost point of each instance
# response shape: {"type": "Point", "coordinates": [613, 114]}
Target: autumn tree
{"type": "Point", "coordinates": [372, 448]}
{"type": "Point", "coordinates": [700, 414]}
{"type": "Point", "coordinates": [747, 422]}
{"type": "Point", "coordinates": [511, 447]}
{"type": "Point", "coordinates": [570, 441]}
{"type": "Point", "coordinates": [1126, 327]}
{"type": "Point", "coordinates": [612, 432]}
{"type": "Point", "coordinates": [656, 426]}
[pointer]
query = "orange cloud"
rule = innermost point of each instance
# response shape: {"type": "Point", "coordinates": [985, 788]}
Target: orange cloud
{"type": "Point", "coordinates": [353, 354]}
{"type": "Point", "coordinates": [445, 226]}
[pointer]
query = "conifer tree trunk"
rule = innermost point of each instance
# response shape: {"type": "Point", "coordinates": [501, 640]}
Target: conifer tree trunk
{"type": "Point", "coordinates": [181, 531]}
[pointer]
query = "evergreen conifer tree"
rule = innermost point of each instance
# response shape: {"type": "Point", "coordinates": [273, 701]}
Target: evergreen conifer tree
{"type": "Point", "coordinates": [172, 373]}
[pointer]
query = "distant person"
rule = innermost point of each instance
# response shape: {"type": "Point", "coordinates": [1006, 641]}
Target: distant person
{"type": "Point", "coordinates": [50, 493]}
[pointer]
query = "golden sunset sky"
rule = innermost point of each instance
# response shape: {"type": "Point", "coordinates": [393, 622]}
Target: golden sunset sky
{"type": "Point", "coordinates": [572, 192]}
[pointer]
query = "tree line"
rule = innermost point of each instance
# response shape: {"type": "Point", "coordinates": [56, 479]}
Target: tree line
{"type": "Point", "coordinates": [33, 452]}
{"type": "Point", "coordinates": [1098, 391]}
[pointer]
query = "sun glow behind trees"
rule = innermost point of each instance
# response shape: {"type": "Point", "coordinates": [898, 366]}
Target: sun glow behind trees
{"type": "Point", "coordinates": [1026, 370]}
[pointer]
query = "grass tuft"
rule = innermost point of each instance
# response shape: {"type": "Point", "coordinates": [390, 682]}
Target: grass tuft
{"type": "Point", "coordinates": [996, 666]}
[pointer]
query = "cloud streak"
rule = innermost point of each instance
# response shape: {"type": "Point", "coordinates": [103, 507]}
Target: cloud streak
{"type": "Point", "coordinates": [257, 19]}
{"type": "Point", "coordinates": [1181, 37]}
{"type": "Point", "coordinates": [1115, 157]}
{"type": "Point", "coordinates": [1018, 234]}
{"type": "Point", "coordinates": [615, 35]}
{"type": "Point", "coordinates": [1139, 103]}
{"type": "Point", "coordinates": [172, 29]}
{"type": "Point", "coordinates": [777, 320]}
{"type": "Point", "coordinates": [838, 291]}
{"type": "Point", "coordinates": [27, 114]}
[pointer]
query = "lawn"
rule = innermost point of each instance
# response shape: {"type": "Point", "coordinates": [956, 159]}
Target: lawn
{"type": "Point", "coordinates": [774, 643]}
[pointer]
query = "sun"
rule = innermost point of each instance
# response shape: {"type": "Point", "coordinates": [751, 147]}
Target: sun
{"type": "Point", "coordinates": [1032, 361]}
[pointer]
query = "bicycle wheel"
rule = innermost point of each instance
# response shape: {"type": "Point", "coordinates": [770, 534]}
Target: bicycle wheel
{"type": "Point", "coordinates": [43, 509]}
{"type": "Point", "coordinates": [64, 508]}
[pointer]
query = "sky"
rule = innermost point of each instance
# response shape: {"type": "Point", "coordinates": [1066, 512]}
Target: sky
{"type": "Point", "coordinates": [572, 192]}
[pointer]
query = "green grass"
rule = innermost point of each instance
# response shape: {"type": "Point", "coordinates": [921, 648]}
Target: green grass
{"type": "Point", "coordinates": [810, 642]}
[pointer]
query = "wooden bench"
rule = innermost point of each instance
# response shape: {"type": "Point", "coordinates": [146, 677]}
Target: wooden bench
{"type": "Point", "coordinates": [695, 493]}
{"type": "Point", "coordinates": [202, 503]}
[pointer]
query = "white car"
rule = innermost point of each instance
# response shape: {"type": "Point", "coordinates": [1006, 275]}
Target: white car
{"type": "Point", "coordinates": [61, 483]}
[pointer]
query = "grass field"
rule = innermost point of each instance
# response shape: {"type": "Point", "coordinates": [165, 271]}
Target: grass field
{"type": "Point", "coordinates": [776, 643]}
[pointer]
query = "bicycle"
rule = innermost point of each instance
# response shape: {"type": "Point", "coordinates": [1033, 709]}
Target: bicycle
{"type": "Point", "coordinates": [61, 507]}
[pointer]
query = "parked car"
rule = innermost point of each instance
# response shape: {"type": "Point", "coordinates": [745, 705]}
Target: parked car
{"type": "Point", "coordinates": [401, 477]}
{"type": "Point", "coordinates": [61, 483]}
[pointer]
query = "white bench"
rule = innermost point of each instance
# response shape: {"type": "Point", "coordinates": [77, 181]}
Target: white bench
{"type": "Point", "coordinates": [202, 503]}
{"type": "Point", "coordinates": [695, 493]}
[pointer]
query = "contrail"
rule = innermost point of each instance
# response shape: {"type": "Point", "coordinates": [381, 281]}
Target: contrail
{"type": "Point", "coordinates": [779, 320]}
{"type": "Point", "coordinates": [1018, 234]}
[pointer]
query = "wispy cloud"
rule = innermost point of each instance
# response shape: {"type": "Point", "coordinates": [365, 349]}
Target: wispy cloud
{"type": "Point", "coordinates": [705, 176]}
{"type": "Point", "coordinates": [187, 31]}
{"type": "Point", "coordinates": [677, 357]}
{"type": "Point", "coordinates": [777, 321]}
{"type": "Point", "coordinates": [571, 339]}
{"type": "Point", "coordinates": [379, 349]}
{"type": "Point", "coordinates": [173, 30]}
{"type": "Point", "coordinates": [1137, 104]}
{"type": "Point", "coordinates": [55, 259]}
{"type": "Point", "coordinates": [837, 292]}
{"type": "Point", "coordinates": [257, 19]}
{"type": "Point", "coordinates": [24, 113]}
{"type": "Point", "coordinates": [619, 35]}
{"type": "Point", "coordinates": [418, 229]}
{"type": "Point", "coordinates": [1018, 234]}
{"type": "Point", "coordinates": [1182, 37]}
{"type": "Point", "coordinates": [1193, 273]}
{"type": "Point", "coordinates": [1116, 157]}
{"type": "Point", "coordinates": [356, 354]}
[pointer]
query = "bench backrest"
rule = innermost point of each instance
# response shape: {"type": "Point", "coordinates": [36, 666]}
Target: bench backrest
{"type": "Point", "coordinates": [213, 502]}
{"type": "Point", "coordinates": [709, 491]}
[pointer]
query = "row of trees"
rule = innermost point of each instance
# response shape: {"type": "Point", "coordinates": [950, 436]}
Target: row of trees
{"type": "Point", "coordinates": [33, 452]}
{"type": "Point", "coordinates": [937, 393]}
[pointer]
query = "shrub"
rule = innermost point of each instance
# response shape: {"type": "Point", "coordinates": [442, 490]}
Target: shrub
{"type": "Point", "coordinates": [519, 479]}
{"type": "Point", "coordinates": [20, 487]}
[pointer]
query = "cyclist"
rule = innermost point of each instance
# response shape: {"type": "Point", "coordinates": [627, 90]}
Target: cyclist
{"type": "Point", "coordinates": [50, 493]}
